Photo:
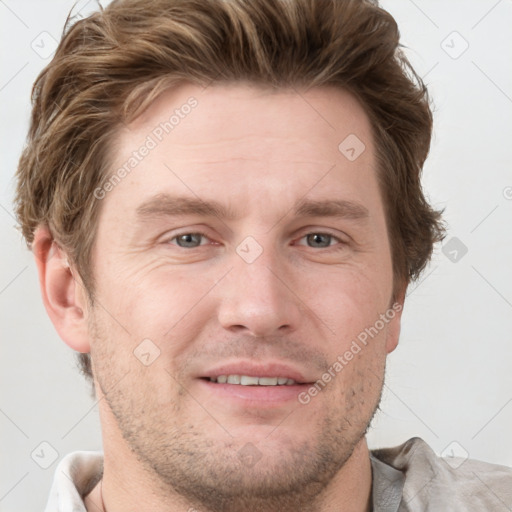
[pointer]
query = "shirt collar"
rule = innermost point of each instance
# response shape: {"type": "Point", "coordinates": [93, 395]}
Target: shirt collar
{"type": "Point", "coordinates": [387, 486]}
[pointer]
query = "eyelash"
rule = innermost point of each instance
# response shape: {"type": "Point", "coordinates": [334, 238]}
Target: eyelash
{"type": "Point", "coordinates": [341, 242]}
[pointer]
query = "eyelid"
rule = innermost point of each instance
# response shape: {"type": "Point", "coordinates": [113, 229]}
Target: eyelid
{"type": "Point", "coordinates": [319, 230]}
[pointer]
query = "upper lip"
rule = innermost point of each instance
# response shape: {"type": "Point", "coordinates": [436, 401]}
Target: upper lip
{"type": "Point", "coordinates": [261, 369]}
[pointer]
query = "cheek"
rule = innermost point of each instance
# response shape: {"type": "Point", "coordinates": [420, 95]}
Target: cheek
{"type": "Point", "coordinates": [348, 302]}
{"type": "Point", "coordinates": [358, 378]}
{"type": "Point", "coordinates": [130, 369]}
{"type": "Point", "coordinates": [156, 316]}
{"type": "Point", "coordinates": [156, 299]}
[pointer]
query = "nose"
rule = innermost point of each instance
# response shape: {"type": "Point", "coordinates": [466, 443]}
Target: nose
{"type": "Point", "coordinates": [257, 298]}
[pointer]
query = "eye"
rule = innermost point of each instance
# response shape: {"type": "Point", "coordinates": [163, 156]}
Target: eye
{"type": "Point", "coordinates": [188, 240]}
{"type": "Point", "coordinates": [320, 240]}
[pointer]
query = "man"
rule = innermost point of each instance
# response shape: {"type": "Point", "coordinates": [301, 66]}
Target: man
{"type": "Point", "coordinates": [224, 202]}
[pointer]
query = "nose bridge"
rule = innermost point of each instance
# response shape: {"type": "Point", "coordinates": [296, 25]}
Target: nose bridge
{"type": "Point", "coordinates": [255, 295]}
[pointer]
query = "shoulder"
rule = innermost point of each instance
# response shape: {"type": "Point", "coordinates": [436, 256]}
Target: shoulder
{"type": "Point", "coordinates": [437, 483]}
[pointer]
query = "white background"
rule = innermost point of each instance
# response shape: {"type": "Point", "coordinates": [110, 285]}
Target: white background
{"type": "Point", "coordinates": [449, 379]}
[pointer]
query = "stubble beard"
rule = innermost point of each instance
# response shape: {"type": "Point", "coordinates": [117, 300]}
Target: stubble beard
{"type": "Point", "coordinates": [211, 475]}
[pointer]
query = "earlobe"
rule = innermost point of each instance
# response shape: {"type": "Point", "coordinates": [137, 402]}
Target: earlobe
{"type": "Point", "coordinates": [396, 310]}
{"type": "Point", "coordinates": [61, 292]}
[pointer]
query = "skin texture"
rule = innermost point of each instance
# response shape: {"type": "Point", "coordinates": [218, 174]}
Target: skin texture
{"type": "Point", "coordinates": [173, 441]}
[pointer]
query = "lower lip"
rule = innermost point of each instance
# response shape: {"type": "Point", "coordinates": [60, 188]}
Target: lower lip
{"type": "Point", "coordinates": [264, 395]}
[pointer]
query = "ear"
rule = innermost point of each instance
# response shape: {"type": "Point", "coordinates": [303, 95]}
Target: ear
{"type": "Point", "coordinates": [63, 294]}
{"type": "Point", "coordinates": [395, 310]}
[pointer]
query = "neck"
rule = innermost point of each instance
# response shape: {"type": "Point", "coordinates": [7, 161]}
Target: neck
{"type": "Point", "coordinates": [125, 485]}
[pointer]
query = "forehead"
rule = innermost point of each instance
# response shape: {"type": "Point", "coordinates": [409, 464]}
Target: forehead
{"type": "Point", "coordinates": [241, 143]}
{"type": "Point", "coordinates": [248, 121]}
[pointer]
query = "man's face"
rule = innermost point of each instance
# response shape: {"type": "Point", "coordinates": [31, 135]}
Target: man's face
{"type": "Point", "coordinates": [277, 283]}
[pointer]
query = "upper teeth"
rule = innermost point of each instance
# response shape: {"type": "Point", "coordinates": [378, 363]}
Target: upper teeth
{"type": "Point", "coordinates": [246, 380]}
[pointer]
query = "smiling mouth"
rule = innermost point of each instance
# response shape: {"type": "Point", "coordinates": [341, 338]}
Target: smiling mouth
{"type": "Point", "coordinates": [247, 380]}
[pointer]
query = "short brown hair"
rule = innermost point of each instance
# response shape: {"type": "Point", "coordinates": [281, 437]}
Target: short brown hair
{"type": "Point", "coordinates": [110, 66]}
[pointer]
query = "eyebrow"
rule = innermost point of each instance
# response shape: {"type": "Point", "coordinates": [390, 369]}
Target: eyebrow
{"type": "Point", "coordinates": [332, 208]}
{"type": "Point", "coordinates": [165, 205]}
